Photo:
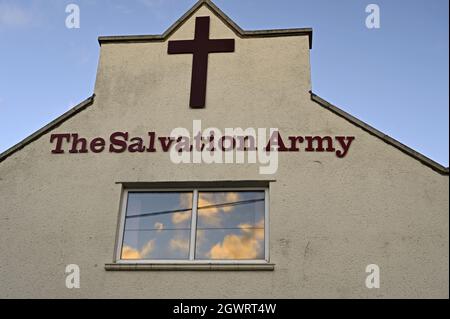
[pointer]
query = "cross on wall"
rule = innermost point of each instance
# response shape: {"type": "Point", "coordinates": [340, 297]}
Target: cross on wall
{"type": "Point", "coordinates": [200, 48]}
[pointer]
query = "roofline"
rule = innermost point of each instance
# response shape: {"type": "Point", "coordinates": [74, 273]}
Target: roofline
{"type": "Point", "coordinates": [385, 138]}
{"type": "Point", "coordinates": [47, 128]}
{"type": "Point", "coordinates": [222, 16]}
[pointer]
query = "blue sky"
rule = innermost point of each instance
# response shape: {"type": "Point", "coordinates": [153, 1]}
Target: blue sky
{"type": "Point", "coordinates": [394, 78]}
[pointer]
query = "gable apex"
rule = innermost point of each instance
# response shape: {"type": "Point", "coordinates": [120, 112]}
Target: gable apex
{"type": "Point", "coordinates": [218, 13]}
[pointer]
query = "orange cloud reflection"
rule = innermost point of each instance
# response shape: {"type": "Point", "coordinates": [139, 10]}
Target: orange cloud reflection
{"type": "Point", "coordinates": [129, 252]}
{"type": "Point", "coordinates": [249, 245]}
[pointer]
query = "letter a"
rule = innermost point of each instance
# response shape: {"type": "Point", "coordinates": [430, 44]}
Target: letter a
{"type": "Point", "coordinates": [73, 277]}
{"type": "Point", "coordinates": [373, 280]}
{"type": "Point", "coordinates": [73, 19]}
{"type": "Point", "coordinates": [373, 19]}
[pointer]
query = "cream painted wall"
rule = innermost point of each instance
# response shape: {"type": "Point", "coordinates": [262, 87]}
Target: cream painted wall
{"type": "Point", "coordinates": [329, 217]}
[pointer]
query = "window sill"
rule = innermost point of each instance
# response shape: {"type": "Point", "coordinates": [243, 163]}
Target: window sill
{"type": "Point", "coordinates": [191, 267]}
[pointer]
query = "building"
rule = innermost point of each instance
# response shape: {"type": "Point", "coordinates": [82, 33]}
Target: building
{"type": "Point", "coordinates": [100, 188]}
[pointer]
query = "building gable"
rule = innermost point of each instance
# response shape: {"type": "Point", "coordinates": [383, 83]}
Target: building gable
{"type": "Point", "coordinates": [184, 29]}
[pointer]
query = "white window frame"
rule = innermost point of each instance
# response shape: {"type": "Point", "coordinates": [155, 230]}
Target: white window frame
{"type": "Point", "coordinates": [191, 260]}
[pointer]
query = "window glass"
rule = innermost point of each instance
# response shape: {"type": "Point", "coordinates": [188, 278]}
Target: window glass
{"type": "Point", "coordinates": [230, 225]}
{"type": "Point", "coordinates": [157, 226]}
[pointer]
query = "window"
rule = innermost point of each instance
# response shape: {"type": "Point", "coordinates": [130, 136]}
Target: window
{"type": "Point", "coordinates": [198, 225]}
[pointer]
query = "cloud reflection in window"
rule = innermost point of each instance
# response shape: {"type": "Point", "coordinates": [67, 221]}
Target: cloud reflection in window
{"type": "Point", "coordinates": [230, 226]}
{"type": "Point", "coordinates": [157, 226]}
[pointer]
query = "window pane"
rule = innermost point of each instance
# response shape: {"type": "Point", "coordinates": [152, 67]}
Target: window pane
{"type": "Point", "coordinates": [157, 226]}
{"type": "Point", "coordinates": [230, 225]}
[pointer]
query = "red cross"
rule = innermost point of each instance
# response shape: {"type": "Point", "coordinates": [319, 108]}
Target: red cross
{"type": "Point", "coordinates": [200, 48]}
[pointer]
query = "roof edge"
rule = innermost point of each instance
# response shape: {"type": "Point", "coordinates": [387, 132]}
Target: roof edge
{"type": "Point", "coordinates": [385, 138]}
{"type": "Point", "coordinates": [50, 126]}
{"type": "Point", "coordinates": [222, 16]}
